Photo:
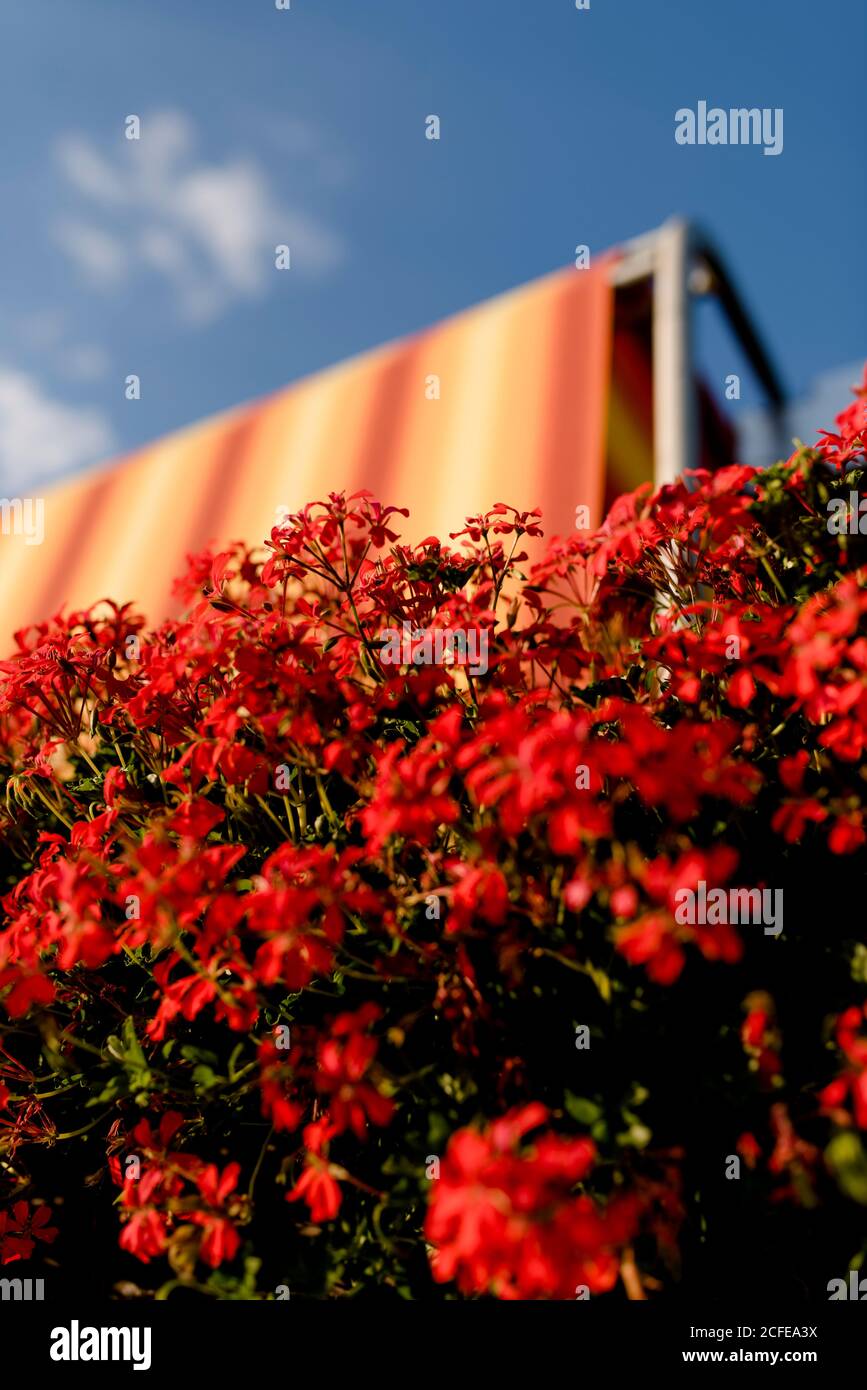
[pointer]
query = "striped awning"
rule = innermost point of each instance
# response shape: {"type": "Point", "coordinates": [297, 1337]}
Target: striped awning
{"type": "Point", "coordinates": [505, 402]}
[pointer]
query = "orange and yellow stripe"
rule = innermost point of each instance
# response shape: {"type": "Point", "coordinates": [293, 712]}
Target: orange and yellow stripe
{"type": "Point", "coordinates": [522, 417]}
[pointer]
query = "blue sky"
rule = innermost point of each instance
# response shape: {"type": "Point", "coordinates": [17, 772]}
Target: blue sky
{"type": "Point", "coordinates": [306, 127]}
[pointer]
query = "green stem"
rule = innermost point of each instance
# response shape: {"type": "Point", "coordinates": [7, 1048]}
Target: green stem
{"type": "Point", "coordinates": [259, 1162]}
{"type": "Point", "coordinates": [74, 1133]}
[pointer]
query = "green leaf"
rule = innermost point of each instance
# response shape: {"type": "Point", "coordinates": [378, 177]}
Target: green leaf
{"type": "Point", "coordinates": [438, 1131]}
{"type": "Point", "coordinates": [859, 963]}
{"type": "Point", "coordinates": [585, 1112]}
{"type": "Point", "coordinates": [205, 1078]}
{"type": "Point", "coordinates": [132, 1045]}
{"type": "Point", "coordinates": [114, 1089]}
{"type": "Point", "coordinates": [846, 1159]}
{"type": "Point", "coordinates": [199, 1054]}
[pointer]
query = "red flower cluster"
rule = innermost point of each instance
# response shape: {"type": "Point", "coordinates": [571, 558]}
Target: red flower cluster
{"type": "Point", "coordinates": [163, 1188]}
{"type": "Point", "coordinates": [20, 1228]}
{"type": "Point", "coordinates": [505, 1219]}
{"type": "Point", "coordinates": [851, 1084]}
{"type": "Point", "coordinates": [269, 898]}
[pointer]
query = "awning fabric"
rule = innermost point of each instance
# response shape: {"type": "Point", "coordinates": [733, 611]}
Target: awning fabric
{"type": "Point", "coordinates": [520, 418]}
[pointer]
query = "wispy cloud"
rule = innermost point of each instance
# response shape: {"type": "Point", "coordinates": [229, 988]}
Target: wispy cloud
{"type": "Point", "coordinates": [762, 438]}
{"type": "Point", "coordinates": [88, 171]}
{"type": "Point", "coordinates": [84, 362]}
{"type": "Point", "coordinates": [41, 437]}
{"type": "Point", "coordinates": [99, 255]}
{"type": "Point", "coordinates": [209, 230]}
{"type": "Point", "coordinates": [40, 329]}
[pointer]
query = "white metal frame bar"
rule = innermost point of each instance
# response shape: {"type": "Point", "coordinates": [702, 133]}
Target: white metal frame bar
{"type": "Point", "coordinates": [667, 255]}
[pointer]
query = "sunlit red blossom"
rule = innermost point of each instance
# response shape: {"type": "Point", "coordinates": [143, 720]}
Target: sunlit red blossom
{"type": "Point", "coordinates": [299, 905]}
{"type": "Point", "coordinates": [411, 796]}
{"type": "Point", "coordinates": [793, 817]}
{"type": "Point", "coordinates": [500, 520]}
{"type": "Point", "coordinates": [171, 1186]}
{"type": "Point", "coordinates": [657, 938]}
{"type": "Point", "coordinates": [343, 1064]}
{"type": "Point", "coordinates": [29, 987]}
{"type": "Point", "coordinates": [318, 1184]}
{"type": "Point", "coordinates": [183, 997]}
{"type": "Point", "coordinates": [277, 1077]}
{"type": "Point", "coordinates": [761, 1039]}
{"type": "Point", "coordinates": [505, 1218]}
{"type": "Point", "coordinates": [195, 819]}
{"type": "Point", "coordinates": [319, 1189]}
{"type": "Point", "coordinates": [524, 763]}
{"type": "Point", "coordinates": [169, 1124]}
{"type": "Point", "coordinates": [163, 1170]}
{"type": "Point", "coordinates": [792, 770]}
{"type": "Point", "coordinates": [220, 1239]}
{"type": "Point", "coordinates": [847, 834]}
{"type": "Point", "coordinates": [749, 1149]}
{"type": "Point", "coordinates": [145, 1233]}
{"type": "Point", "coordinates": [792, 1156]}
{"type": "Point", "coordinates": [481, 892]}
{"type": "Point", "coordinates": [754, 1028]}
{"type": "Point", "coordinates": [851, 1085]}
{"type": "Point", "coordinates": [849, 443]}
{"type": "Point", "coordinates": [649, 754]}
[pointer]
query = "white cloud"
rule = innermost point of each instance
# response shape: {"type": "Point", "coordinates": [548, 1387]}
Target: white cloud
{"type": "Point", "coordinates": [229, 213]}
{"type": "Point", "coordinates": [164, 250]}
{"type": "Point", "coordinates": [46, 333]}
{"type": "Point", "coordinates": [41, 330]}
{"type": "Point", "coordinates": [40, 437]}
{"type": "Point", "coordinates": [167, 137]}
{"type": "Point", "coordinates": [210, 230]}
{"type": "Point", "coordinates": [830, 392]}
{"type": "Point", "coordinates": [83, 362]}
{"type": "Point", "coordinates": [87, 171]}
{"type": "Point", "coordinates": [99, 255]}
{"type": "Point", "coordinates": [762, 439]}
